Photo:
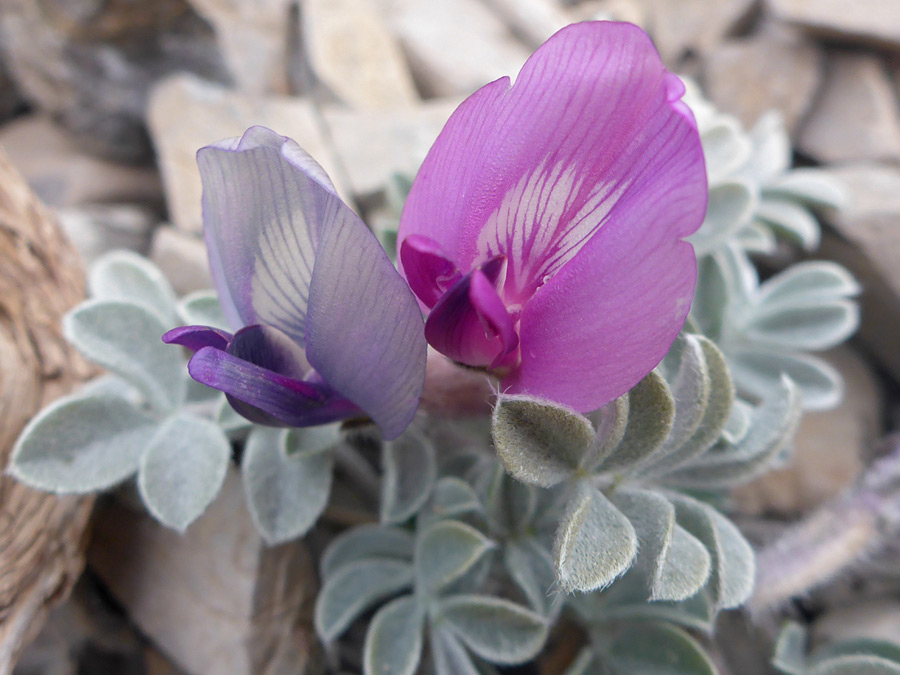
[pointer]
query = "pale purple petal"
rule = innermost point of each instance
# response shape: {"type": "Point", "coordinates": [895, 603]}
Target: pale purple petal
{"type": "Point", "coordinates": [264, 200]}
{"type": "Point", "coordinates": [428, 270]}
{"type": "Point", "coordinates": [470, 323]}
{"type": "Point", "coordinates": [269, 348]}
{"type": "Point", "coordinates": [197, 337]}
{"type": "Point", "coordinates": [585, 139]}
{"type": "Point", "coordinates": [364, 334]}
{"type": "Point", "coordinates": [587, 336]}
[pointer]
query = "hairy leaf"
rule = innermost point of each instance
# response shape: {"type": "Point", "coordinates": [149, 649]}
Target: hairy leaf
{"type": "Point", "coordinates": [532, 568]}
{"type": "Point", "coordinates": [183, 468]}
{"type": "Point", "coordinates": [453, 497]}
{"type": "Point", "coordinates": [310, 441]}
{"type": "Point", "coordinates": [660, 649]}
{"type": "Point", "coordinates": [758, 373]}
{"type": "Point", "coordinates": [808, 283]}
{"type": "Point", "coordinates": [125, 338]}
{"type": "Point", "coordinates": [80, 445]}
{"type": "Point", "coordinates": [856, 665]}
{"type": "Point", "coordinates": [128, 277]}
{"type": "Point", "coordinates": [445, 551]}
{"type": "Point", "coordinates": [790, 219]}
{"type": "Point", "coordinates": [354, 588]}
{"type": "Point", "coordinates": [790, 650]}
{"type": "Point", "coordinates": [813, 326]}
{"type": "Point", "coordinates": [394, 639]}
{"type": "Point", "coordinates": [410, 469]}
{"type": "Point", "coordinates": [539, 442]}
{"type": "Point", "coordinates": [364, 542]}
{"type": "Point", "coordinates": [731, 206]}
{"type": "Point", "coordinates": [285, 494]}
{"type": "Point", "coordinates": [202, 308]}
{"type": "Point", "coordinates": [448, 654]}
{"type": "Point", "coordinates": [809, 185]}
{"type": "Point", "coordinates": [595, 542]}
{"type": "Point", "coordinates": [498, 630]}
{"type": "Point", "coordinates": [610, 421]}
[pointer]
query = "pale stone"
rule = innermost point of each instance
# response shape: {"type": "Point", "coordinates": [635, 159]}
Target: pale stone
{"type": "Point", "coordinates": [533, 20]}
{"type": "Point", "coordinates": [696, 25]}
{"type": "Point", "coordinates": [373, 145]}
{"type": "Point", "coordinates": [454, 46]}
{"type": "Point", "coordinates": [64, 175]}
{"type": "Point", "coordinates": [99, 228]}
{"type": "Point", "coordinates": [830, 447]}
{"type": "Point", "coordinates": [352, 51]}
{"type": "Point", "coordinates": [187, 113]}
{"type": "Point", "coordinates": [215, 599]}
{"type": "Point", "coordinates": [255, 41]}
{"type": "Point", "coordinates": [869, 620]}
{"type": "Point", "coordinates": [182, 258]}
{"type": "Point", "coordinates": [870, 222]}
{"type": "Point", "coordinates": [768, 71]}
{"type": "Point", "coordinates": [632, 11]}
{"type": "Point", "coordinates": [856, 116]}
{"type": "Point", "coordinates": [874, 22]}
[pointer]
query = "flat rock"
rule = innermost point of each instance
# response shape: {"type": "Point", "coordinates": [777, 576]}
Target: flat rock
{"type": "Point", "coordinates": [870, 22]}
{"type": "Point", "coordinates": [771, 70]}
{"type": "Point", "coordinates": [454, 46]}
{"type": "Point", "coordinates": [352, 51]}
{"type": "Point", "coordinates": [856, 116]}
{"type": "Point", "coordinates": [187, 113]}
{"type": "Point", "coordinates": [99, 228]}
{"type": "Point", "coordinates": [182, 258]}
{"type": "Point", "coordinates": [255, 40]}
{"type": "Point", "coordinates": [91, 64]}
{"type": "Point", "coordinates": [696, 25]}
{"type": "Point", "coordinates": [372, 145]}
{"type": "Point", "coordinates": [63, 175]}
{"type": "Point", "coordinates": [215, 599]}
{"type": "Point", "coordinates": [869, 226]}
{"type": "Point", "coordinates": [532, 20]}
{"type": "Point", "coordinates": [830, 447]}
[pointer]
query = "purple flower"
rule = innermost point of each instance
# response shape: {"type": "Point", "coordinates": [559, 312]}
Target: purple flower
{"type": "Point", "coordinates": [544, 230]}
{"type": "Point", "coordinates": [326, 328]}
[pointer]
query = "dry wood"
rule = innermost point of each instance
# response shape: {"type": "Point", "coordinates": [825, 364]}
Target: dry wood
{"type": "Point", "coordinates": [42, 537]}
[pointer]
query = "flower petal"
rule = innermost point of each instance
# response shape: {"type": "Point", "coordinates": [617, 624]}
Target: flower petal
{"type": "Point", "coordinates": [197, 337]}
{"type": "Point", "coordinates": [470, 323]}
{"type": "Point", "coordinates": [607, 319]}
{"type": "Point", "coordinates": [588, 137]}
{"type": "Point", "coordinates": [263, 396]}
{"type": "Point", "coordinates": [428, 270]}
{"type": "Point", "coordinates": [364, 335]}
{"type": "Point", "coordinates": [264, 200]}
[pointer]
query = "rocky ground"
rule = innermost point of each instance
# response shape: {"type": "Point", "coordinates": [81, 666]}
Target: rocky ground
{"type": "Point", "coordinates": [103, 105]}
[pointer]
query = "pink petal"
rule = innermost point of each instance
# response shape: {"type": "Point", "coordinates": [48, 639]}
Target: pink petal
{"type": "Point", "coordinates": [428, 271]}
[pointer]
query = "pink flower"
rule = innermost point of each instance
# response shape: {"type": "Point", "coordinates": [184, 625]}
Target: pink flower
{"type": "Point", "coordinates": [543, 233]}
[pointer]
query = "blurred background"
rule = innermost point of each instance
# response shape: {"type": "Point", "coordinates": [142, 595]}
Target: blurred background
{"type": "Point", "coordinates": [103, 104]}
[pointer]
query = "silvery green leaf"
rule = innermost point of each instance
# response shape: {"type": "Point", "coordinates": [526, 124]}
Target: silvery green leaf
{"type": "Point", "coordinates": [733, 562]}
{"type": "Point", "coordinates": [715, 416]}
{"type": "Point", "coordinates": [539, 442]}
{"type": "Point", "coordinates": [814, 326]}
{"type": "Point", "coordinates": [808, 283]}
{"type": "Point", "coordinates": [889, 651]}
{"type": "Point", "coordinates": [365, 541]}
{"type": "Point", "coordinates": [675, 564]}
{"type": "Point", "coordinates": [792, 220]}
{"type": "Point", "coordinates": [197, 395]}
{"type": "Point", "coordinates": [584, 664]}
{"type": "Point", "coordinates": [509, 504]}
{"type": "Point", "coordinates": [453, 497]}
{"type": "Point", "coordinates": [410, 469]}
{"type": "Point", "coordinates": [182, 470]}
{"type": "Point", "coordinates": [731, 205]}
{"type": "Point", "coordinates": [757, 373]}
{"type": "Point", "coordinates": [125, 338]}
{"type": "Point", "coordinates": [856, 665]}
{"type": "Point", "coordinates": [127, 277]}
{"type": "Point", "coordinates": [498, 630]}
{"type": "Point", "coordinates": [809, 185]}
{"type": "Point", "coordinates": [532, 568]}
{"type": "Point", "coordinates": [660, 649]}
{"type": "Point", "coordinates": [610, 421]}
{"type": "Point", "coordinates": [311, 441]}
{"type": "Point", "coordinates": [756, 237]}
{"type": "Point", "coordinates": [448, 654]}
{"type": "Point", "coordinates": [790, 650]}
{"type": "Point", "coordinates": [445, 550]}
{"type": "Point", "coordinates": [285, 494]}
{"type": "Point", "coordinates": [771, 154]}
{"type": "Point", "coordinates": [712, 296]}
{"type": "Point", "coordinates": [738, 424]}
{"type": "Point", "coordinates": [651, 412]}
{"type": "Point", "coordinates": [394, 639]}
{"type": "Point", "coordinates": [80, 445]}
{"type": "Point", "coordinates": [231, 422]}
{"type": "Point", "coordinates": [627, 599]}
{"type": "Point", "coordinates": [110, 385]}
{"type": "Point", "coordinates": [725, 147]}
{"type": "Point", "coordinates": [595, 542]}
{"type": "Point", "coordinates": [202, 308]}
{"type": "Point", "coordinates": [353, 589]}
